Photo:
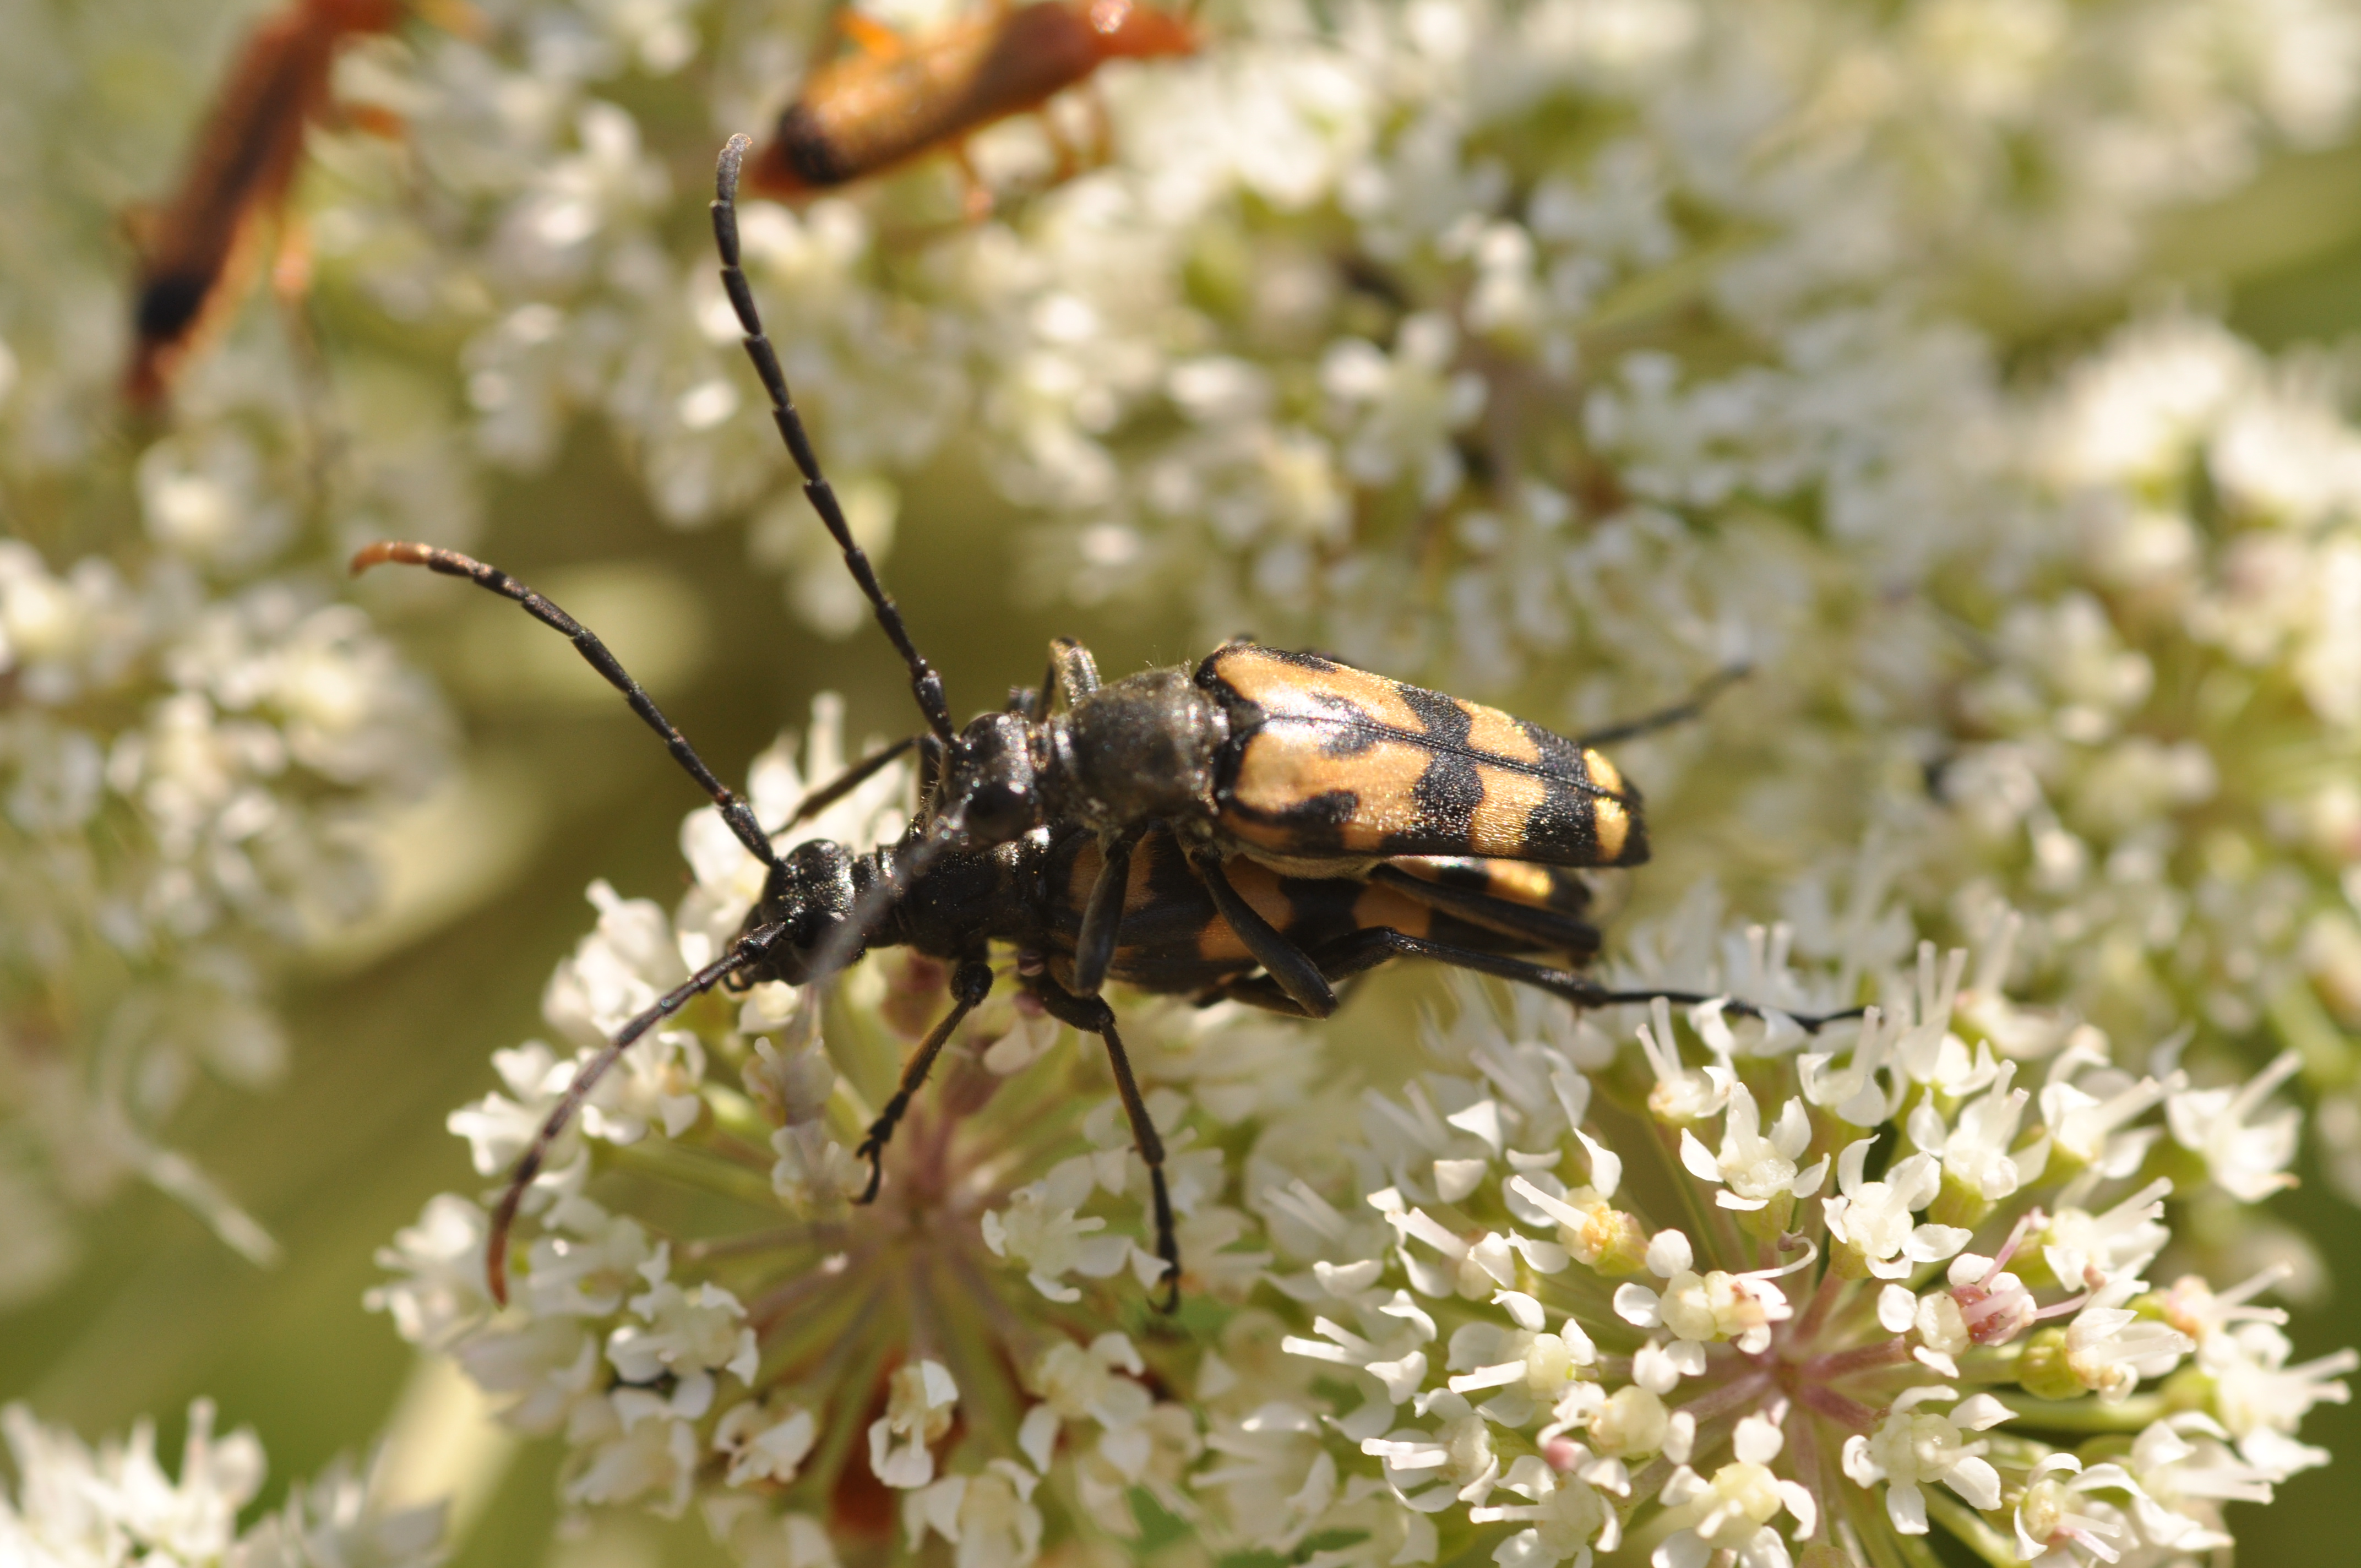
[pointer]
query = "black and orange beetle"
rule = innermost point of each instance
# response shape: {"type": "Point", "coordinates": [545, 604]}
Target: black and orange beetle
{"type": "Point", "coordinates": [1257, 829]}
{"type": "Point", "coordinates": [898, 98]}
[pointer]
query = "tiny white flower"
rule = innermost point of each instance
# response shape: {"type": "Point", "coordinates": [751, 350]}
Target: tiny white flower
{"type": "Point", "coordinates": [1914, 1447]}
{"type": "Point", "coordinates": [2261, 1400]}
{"type": "Point", "coordinates": [2057, 1529]}
{"type": "Point", "coordinates": [2250, 1160]}
{"type": "Point", "coordinates": [1978, 1154]}
{"type": "Point", "coordinates": [1733, 1511]}
{"type": "Point", "coordinates": [1682, 1095]}
{"type": "Point", "coordinates": [2109, 1347]}
{"type": "Point", "coordinates": [2119, 1239]}
{"type": "Point", "coordinates": [919, 1397]}
{"type": "Point", "coordinates": [1755, 1169]}
{"type": "Point", "coordinates": [1874, 1218]}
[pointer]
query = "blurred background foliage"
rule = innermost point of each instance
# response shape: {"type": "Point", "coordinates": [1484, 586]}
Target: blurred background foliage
{"type": "Point", "coordinates": [393, 1023]}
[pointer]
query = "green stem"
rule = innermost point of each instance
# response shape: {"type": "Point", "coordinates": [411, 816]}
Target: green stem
{"type": "Point", "coordinates": [2086, 1415]}
{"type": "Point", "coordinates": [1866, 1524]}
{"type": "Point", "coordinates": [1972, 1530]}
{"type": "Point", "coordinates": [1990, 1365]}
{"type": "Point", "coordinates": [1917, 1551]}
{"type": "Point", "coordinates": [737, 1115]}
{"type": "Point", "coordinates": [668, 1161]}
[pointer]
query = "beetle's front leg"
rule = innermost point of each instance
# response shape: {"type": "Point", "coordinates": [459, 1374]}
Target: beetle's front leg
{"type": "Point", "coordinates": [1103, 915]}
{"type": "Point", "coordinates": [1072, 675]}
{"type": "Point", "coordinates": [1094, 1016]}
{"type": "Point", "coordinates": [969, 985]}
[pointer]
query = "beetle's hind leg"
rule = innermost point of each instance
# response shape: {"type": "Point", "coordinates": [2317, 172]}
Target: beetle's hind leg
{"type": "Point", "coordinates": [1689, 707]}
{"type": "Point", "coordinates": [1093, 1016]}
{"type": "Point", "coordinates": [969, 985]}
{"type": "Point", "coordinates": [1363, 950]}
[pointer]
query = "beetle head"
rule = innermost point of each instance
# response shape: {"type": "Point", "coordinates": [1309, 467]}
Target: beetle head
{"type": "Point", "coordinates": [811, 892]}
{"type": "Point", "coordinates": [989, 780]}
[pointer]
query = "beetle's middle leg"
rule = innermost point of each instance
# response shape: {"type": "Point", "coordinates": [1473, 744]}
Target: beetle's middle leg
{"type": "Point", "coordinates": [970, 984]}
{"type": "Point", "coordinates": [845, 783]}
{"type": "Point", "coordinates": [1289, 967]}
{"type": "Point", "coordinates": [1091, 1015]}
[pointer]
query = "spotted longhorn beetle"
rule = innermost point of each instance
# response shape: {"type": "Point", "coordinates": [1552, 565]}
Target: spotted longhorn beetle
{"type": "Point", "coordinates": [1259, 830]}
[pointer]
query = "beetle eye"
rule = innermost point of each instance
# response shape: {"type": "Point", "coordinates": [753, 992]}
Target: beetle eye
{"type": "Point", "coordinates": [997, 812]}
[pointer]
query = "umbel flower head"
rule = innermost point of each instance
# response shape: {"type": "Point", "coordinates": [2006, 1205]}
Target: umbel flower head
{"type": "Point", "coordinates": [702, 1310]}
{"type": "Point", "coordinates": [1682, 1285]}
{"type": "Point", "coordinates": [73, 1507]}
{"type": "Point", "coordinates": [1607, 1309]}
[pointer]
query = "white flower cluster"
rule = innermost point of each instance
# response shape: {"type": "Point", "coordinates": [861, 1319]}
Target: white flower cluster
{"type": "Point", "coordinates": [707, 1358]}
{"type": "Point", "coordinates": [194, 734]}
{"type": "Point", "coordinates": [117, 1506]}
{"type": "Point", "coordinates": [1726, 1285]}
{"type": "Point", "coordinates": [185, 770]}
{"type": "Point", "coordinates": [1604, 1303]}
{"type": "Point", "coordinates": [1336, 266]}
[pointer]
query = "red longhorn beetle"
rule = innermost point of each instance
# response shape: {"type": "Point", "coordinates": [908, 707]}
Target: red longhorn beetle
{"type": "Point", "coordinates": [197, 246]}
{"type": "Point", "coordinates": [898, 98]}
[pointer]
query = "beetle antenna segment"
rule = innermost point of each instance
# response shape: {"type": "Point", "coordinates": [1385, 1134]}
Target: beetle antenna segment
{"type": "Point", "coordinates": [746, 952]}
{"type": "Point", "coordinates": [924, 684]}
{"type": "Point", "coordinates": [845, 783]}
{"type": "Point", "coordinates": [451, 564]}
{"type": "Point", "coordinates": [1681, 712]}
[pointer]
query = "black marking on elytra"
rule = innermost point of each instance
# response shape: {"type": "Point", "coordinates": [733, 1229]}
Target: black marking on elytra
{"type": "Point", "coordinates": [1450, 790]}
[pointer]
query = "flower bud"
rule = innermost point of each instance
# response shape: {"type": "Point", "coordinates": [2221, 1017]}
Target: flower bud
{"type": "Point", "coordinates": [2042, 1370]}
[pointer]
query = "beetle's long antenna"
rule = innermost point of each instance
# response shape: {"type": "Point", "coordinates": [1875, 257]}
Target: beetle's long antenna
{"type": "Point", "coordinates": [744, 953]}
{"type": "Point", "coordinates": [451, 564]}
{"type": "Point", "coordinates": [924, 684]}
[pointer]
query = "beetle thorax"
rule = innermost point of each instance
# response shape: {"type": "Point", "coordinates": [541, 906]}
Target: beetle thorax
{"type": "Point", "coordinates": [1140, 750]}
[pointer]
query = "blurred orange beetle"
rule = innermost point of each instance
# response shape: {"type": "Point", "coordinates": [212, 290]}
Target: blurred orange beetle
{"type": "Point", "coordinates": [198, 245]}
{"type": "Point", "coordinates": [898, 98]}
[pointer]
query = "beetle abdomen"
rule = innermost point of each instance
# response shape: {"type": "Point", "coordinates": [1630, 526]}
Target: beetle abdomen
{"type": "Point", "coordinates": [1325, 759]}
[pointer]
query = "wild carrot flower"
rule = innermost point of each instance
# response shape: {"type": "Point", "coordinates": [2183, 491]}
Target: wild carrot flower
{"type": "Point", "coordinates": [73, 1507]}
{"type": "Point", "coordinates": [1849, 1371]}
